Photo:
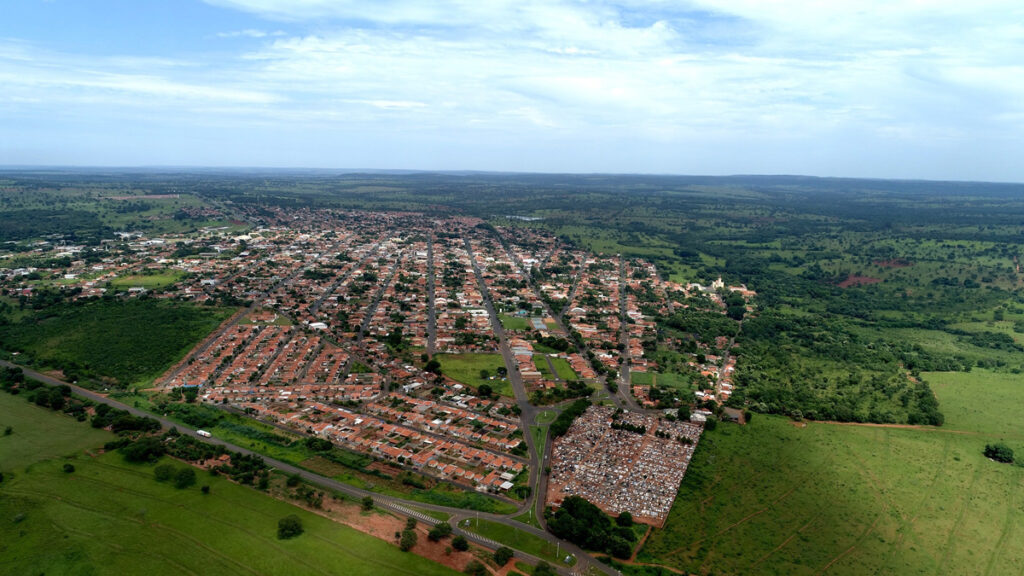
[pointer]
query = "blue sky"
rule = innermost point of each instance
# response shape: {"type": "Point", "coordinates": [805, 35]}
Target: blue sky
{"type": "Point", "coordinates": [873, 88]}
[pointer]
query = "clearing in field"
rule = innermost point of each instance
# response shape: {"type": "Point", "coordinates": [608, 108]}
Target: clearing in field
{"type": "Point", "coordinates": [514, 322]}
{"type": "Point", "coordinates": [157, 281]}
{"type": "Point", "coordinates": [109, 517]}
{"type": "Point", "coordinates": [465, 368]}
{"type": "Point", "coordinates": [772, 498]}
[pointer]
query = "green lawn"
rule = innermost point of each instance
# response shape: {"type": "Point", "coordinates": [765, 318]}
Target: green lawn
{"type": "Point", "coordinates": [546, 416]}
{"type": "Point", "coordinates": [518, 539]}
{"type": "Point", "coordinates": [109, 517]}
{"type": "Point", "coordinates": [540, 436]}
{"type": "Point", "coordinates": [542, 366]}
{"type": "Point", "coordinates": [30, 441]}
{"type": "Point", "coordinates": [465, 368]}
{"type": "Point", "coordinates": [514, 322]}
{"type": "Point", "coordinates": [981, 401]}
{"type": "Point", "coordinates": [563, 369]}
{"type": "Point", "coordinates": [148, 281]}
{"type": "Point", "coordinates": [852, 499]}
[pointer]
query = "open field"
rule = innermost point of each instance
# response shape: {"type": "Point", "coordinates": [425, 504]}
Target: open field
{"type": "Point", "coordinates": [109, 517]}
{"type": "Point", "coordinates": [148, 281]}
{"type": "Point", "coordinates": [31, 441]}
{"type": "Point", "coordinates": [518, 539]}
{"type": "Point", "coordinates": [466, 368]}
{"type": "Point", "coordinates": [562, 369]}
{"type": "Point", "coordinates": [774, 498]}
{"type": "Point", "coordinates": [514, 322]}
{"type": "Point", "coordinates": [981, 401]}
{"type": "Point", "coordinates": [105, 340]}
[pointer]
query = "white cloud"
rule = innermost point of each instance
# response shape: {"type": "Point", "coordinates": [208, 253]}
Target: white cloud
{"type": "Point", "coordinates": [735, 74]}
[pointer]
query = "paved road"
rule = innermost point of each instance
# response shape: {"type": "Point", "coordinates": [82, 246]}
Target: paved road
{"type": "Point", "coordinates": [528, 412]}
{"type": "Point", "coordinates": [404, 507]}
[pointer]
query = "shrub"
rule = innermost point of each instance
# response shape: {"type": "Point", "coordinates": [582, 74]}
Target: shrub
{"type": "Point", "coordinates": [147, 449]}
{"type": "Point", "coordinates": [999, 452]}
{"type": "Point", "coordinates": [69, 468]}
{"type": "Point", "coordinates": [475, 568]}
{"type": "Point", "coordinates": [460, 543]}
{"type": "Point", "coordinates": [184, 478]}
{"type": "Point", "coordinates": [408, 540]}
{"type": "Point", "coordinates": [439, 531]}
{"type": "Point", "coordinates": [503, 555]}
{"type": "Point", "coordinates": [163, 472]}
{"type": "Point", "coordinates": [367, 503]}
{"type": "Point", "coordinates": [289, 527]}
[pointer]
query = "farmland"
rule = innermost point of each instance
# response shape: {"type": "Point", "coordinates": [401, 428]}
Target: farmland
{"type": "Point", "coordinates": [899, 501]}
{"type": "Point", "coordinates": [109, 517]}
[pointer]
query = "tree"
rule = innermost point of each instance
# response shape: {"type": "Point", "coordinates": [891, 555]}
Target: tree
{"type": "Point", "coordinates": [289, 527]}
{"type": "Point", "coordinates": [485, 374]}
{"type": "Point", "coordinates": [163, 472]}
{"type": "Point", "coordinates": [999, 452]}
{"type": "Point", "coordinates": [624, 519]}
{"type": "Point", "coordinates": [439, 531]}
{"type": "Point", "coordinates": [410, 523]}
{"type": "Point", "coordinates": [57, 401]}
{"type": "Point", "coordinates": [460, 543]}
{"type": "Point", "coordinates": [146, 449]}
{"type": "Point", "coordinates": [69, 468]}
{"type": "Point", "coordinates": [503, 555]}
{"type": "Point", "coordinates": [205, 489]}
{"type": "Point", "coordinates": [367, 503]}
{"type": "Point", "coordinates": [293, 480]}
{"type": "Point", "coordinates": [484, 390]}
{"type": "Point", "coordinates": [408, 540]}
{"type": "Point", "coordinates": [475, 568]}
{"type": "Point", "coordinates": [184, 478]}
{"type": "Point", "coordinates": [433, 366]}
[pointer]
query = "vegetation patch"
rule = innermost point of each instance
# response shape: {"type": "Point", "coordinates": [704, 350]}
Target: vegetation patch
{"type": "Point", "coordinates": [120, 342]}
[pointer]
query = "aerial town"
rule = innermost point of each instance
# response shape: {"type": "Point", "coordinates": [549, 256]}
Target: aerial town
{"type": "Point", "coordinates": [430, 343]}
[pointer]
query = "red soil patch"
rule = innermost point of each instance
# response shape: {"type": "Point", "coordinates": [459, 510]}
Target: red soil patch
{"type": "Point", "coordinates": [854, 280]}
{"type": "Point", "coordinates": [893, 263]}
{"type": "Point", "coordinates": [384, 526]}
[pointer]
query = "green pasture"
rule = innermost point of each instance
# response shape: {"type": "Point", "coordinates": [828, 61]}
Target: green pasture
{"type": "Point", "coordinates": [518, 539]}
{"type": "Point", "coordinates": [855, 499]}
{"type": "Point", "coordinates": [110, 517]}
{"type": "Point", "coordinates": [514, 322]}
{"type": "Point", "coordinates": [465, 368]}
{"type": "Point", "coordinates": [157, 281]}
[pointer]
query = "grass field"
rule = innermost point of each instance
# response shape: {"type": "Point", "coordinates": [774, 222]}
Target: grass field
{"type": "Point", "coordinates": [514, 322]}
{"type": "Point", "coordinates": [563, 369]}
{"type": "Point", "coordinates": [107, 340]}
{"type": "Point", "coordinates": [546, 416]}
{"type": "Point", "coordinates": [518, 539]}
{"type": "Point", "coordinates": [148, 281]}
{"type": "Point", "coordinates": [466, 368]}
{"type": "Point", "coordinates": [109, 517]}
{"type": "Point", "coordinates": [31, 442]}
{"type": "Point", "coordinates": [855, 499]}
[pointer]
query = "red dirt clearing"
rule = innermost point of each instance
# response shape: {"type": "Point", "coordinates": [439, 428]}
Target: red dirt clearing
{"type": "Point", "coordinates": [854, 280]}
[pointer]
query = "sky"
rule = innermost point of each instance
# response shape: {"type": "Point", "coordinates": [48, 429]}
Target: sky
{"type": "Point", "coordinates": [922, 89]}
